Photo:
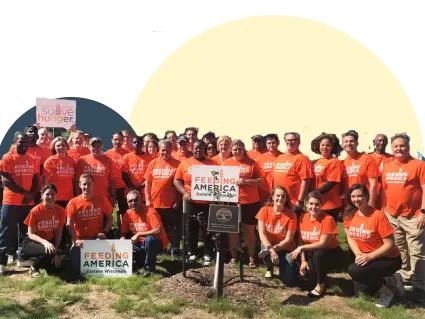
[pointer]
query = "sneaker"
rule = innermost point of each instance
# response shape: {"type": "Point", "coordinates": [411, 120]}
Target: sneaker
{"type": "Point", "coordinates": [34, 272]}
{"type": "Point", "coordinates": [207, 260]}
{"type": "Point", "coordinates": [384, 300]}
{"type": "Point", "coordinates": [192, 258]}
{"type": "Point", "coordinates": [25, 263]}
{"type": "Point", "coordinates": [408, 286]}
{"type": "Point", "coordinates": [399, 286]}
{"type": "Point", "coordinates": [268, 275]}
{"type": "Point", "coordinates": [174, 255]}
{"type": "Point", "coordinates": [2, 270]}
{"type": "Point", "coordinates": [147, 273]}
{"type": "Point", "coordinates": [10, 259]}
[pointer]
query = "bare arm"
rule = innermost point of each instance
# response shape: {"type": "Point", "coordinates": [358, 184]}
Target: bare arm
{"type": "Point", "coordinates": [305, 184]}
{"type": "Point", "coordinates": [10, 183]}
{"type": "Point", "coordinates": [353, 245]}
{"type": "Point", "coordinates": [322, 243]}
{"type": "Point", "coordinates": [284, 243]}
{"type": "Point", "coordinates": [178, 184]}
{"type": "Point", "coordinates": [148, 187]}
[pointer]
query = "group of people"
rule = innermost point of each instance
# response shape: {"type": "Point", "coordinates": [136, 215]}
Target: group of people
{"type": "Point", "coordinates": [292, 202]}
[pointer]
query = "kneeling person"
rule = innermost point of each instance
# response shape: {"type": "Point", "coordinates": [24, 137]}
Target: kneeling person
{"type": "Point", "coordinates": [144, 226]}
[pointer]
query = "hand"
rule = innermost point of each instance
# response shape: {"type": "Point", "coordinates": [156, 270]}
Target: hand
{"type": "Point", "coordinates": [73, 128]}
{"type": "Point", "coordinates": [299, 206]}
{"type": "Point", "coordinates": [294, 254]}
{"type": "Point", "coordinates": [241, 182]}
{"type": "Point", "coordinates": [134, 239]}
{"type": "Point", "coordinates": [101, 236]}
{"type": "Point", "coordinates": [275, 257]}
{"type": "Point", "coordinates": [304, 267]}
{"type": "Point", "coordinates": [362, 259]}
{"type": "Point", "coordinates": [186, 196]}
{"type": "Point", "coordinates": [420, 221]}
{"type": "Point", "coordinates": [57, 261]}
{"type": "Point", "coordinates": [49, 248]}
{"type": "Point", "coordinates": [148, 203]}
{"type": "Point", "coordinates": [79, 243]}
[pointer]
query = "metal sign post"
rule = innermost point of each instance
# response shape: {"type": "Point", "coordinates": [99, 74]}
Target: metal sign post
{"type": "Point", "coordinates": [184, 221]}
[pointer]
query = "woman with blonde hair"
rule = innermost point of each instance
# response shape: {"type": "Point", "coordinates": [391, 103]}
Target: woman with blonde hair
{"type": "Point", "coordinates": [224, 144]}
{"type": "Point", "coordinates": [76, 143]}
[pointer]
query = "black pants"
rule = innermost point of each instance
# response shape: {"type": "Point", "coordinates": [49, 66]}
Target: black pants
{"type": "Point", "coordinates": [66, 238]}
{"type": "Point", "coordinates": [122, 205]}
{"type": "Point", "coordinates": [171, 220]}
{"type": "Point", "coordinates": [370, 278]}
{"type": "Point", "coordinates": [321, 262]}
{"type": "Point", "coordinates": [198, 219]}
{"type": "Point", "coordinates": [32, 249]}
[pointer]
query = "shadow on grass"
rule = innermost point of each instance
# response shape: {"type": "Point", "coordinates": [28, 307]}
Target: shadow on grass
{"type": "Point", "coordinates": [297, 300]}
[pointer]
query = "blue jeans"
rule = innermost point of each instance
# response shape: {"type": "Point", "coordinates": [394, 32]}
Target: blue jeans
{"type": "Point", "coordinates": [287, 270]}
{"type": "Point", "coordinates": [12, 229]}
{"type": "Point", "coordinates": [145, 253]}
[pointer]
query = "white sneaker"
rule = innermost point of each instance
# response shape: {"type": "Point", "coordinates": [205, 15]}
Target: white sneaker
{"type": "Point", "coordinates": [34, 272]}
{"type": "Point", "coordinates": [384, 300]}
{"type": "Point", "coordinates": [10, 259]}
{"type": "Point", "coordinates": [207, 260]}
{"type": "Point", "coordinates": [192, 258]}
{"type": "Point", "coordinates": [268, 274]}
{"type": "Point", "coordinates": [2, 270]}
{"type": "Point", "coordinates": [25, 263]}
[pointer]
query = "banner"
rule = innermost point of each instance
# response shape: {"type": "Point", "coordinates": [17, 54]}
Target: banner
{"type": "Point", "coordinates": [215, 183]}
{"type": "Point", "coordinates": [56, 113]}
{"type": "Point", "coordinates": [107, 258]}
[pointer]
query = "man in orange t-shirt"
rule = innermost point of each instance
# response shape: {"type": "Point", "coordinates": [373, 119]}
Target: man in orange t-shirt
{"type": "Point", "coordinates": [86, 216]}
{"type": "Point", "coordinates": [19, 173]}
{"type": "Point", "coordinates": [293, 171]}
{"type": "Point", "coordinates": [403, 181]}
{"type": "Point", "coordinates": [127, 139]}
{"type": "Point", "coordinates": [101, 168]}
{"type": "Point", "coordinates": [143, 225]}
{"type": "Point", "coordinates": [257, 147]}
{"type": "Point", "coordinates": [43, 137]}
{"type": "Point", "coordinates": [183, 152]}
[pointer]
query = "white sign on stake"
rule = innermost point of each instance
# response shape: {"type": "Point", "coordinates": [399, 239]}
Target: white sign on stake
{"type": "Point", "coordinates": [107, 258]}
{"type": "Point", "coordinates": [56, 113]}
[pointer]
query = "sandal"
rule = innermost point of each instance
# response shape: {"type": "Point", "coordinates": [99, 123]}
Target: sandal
{"type": "Point", "coordinates": [316, 293]}
{"type": "Point", "coordinates": [232, 261]}
{"type": "Point", "coordinates": [252, 264]}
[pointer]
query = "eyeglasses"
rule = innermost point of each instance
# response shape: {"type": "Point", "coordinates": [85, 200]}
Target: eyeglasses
{"type": "Point", "coordinates": [210, 148]}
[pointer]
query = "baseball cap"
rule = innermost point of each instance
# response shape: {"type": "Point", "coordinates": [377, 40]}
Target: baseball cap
{"type": "Point", "coordinates": [182, 138]}
{"type": "Point", "coordinates": [256, 137]}
{"type": "Point", "coordinates": [209, 133]}
{"type": "Point", "coordinates": [95, 139]}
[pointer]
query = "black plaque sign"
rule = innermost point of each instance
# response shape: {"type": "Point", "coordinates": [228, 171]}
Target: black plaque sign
{"type": "Point", "coordinates": [223, 219]}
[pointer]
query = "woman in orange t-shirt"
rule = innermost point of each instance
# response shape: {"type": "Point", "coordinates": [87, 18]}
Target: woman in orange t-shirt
{"type": "Point", "coordinates": [191, 134]}
{"type": "Point", "coordinates": [318, 246]}
{"type": "Point", "coordinates": [212, 148]}
{"type": "Point", "coordinates": [77, 146]}
{"type": "Point", "coordinates": [224, 145]}
{"type": "Point", "coordinates": [249, 200]}
{"type": "Point", "coordinates": [277, 225]}
{"type": "Point", "coordinates": [152, 148]}
{"type": "Point", "coordinates": [371, 239]}
{"type": "Point", "coordinates": [327, 173]}
{"type": "Point", "coordinates": [45, 225]}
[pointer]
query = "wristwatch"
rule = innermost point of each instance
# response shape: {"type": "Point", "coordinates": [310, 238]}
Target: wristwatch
{"type": "Point", "coordinates": [423, 211]}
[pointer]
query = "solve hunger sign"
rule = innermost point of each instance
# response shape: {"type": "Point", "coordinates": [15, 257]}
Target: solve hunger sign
{"type": "Point", "coordinates": [215, 183]}
{"type": "Point", "coordinates": [56, 113]}
{"type": "Point", "coordinates": [107, 258]}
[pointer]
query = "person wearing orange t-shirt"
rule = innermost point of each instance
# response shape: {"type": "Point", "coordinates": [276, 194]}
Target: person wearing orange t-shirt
{"type": "Point", "coordinates": [380, 155]}
{"type": "Point", "coordinates": [371, 239]}
{"type": "Point", "coordinates": [127, 139]}
{"type": "Point", "coordinates": [266, 162]}
{"type": "Point", "coordinates": [89, 216]}
{"type": "Point", "coordinates": [212, 149]}
{"type": "Point", "coordinates": [318, 246]}
{"type": "Point", "coordinates": [359, 168]}
{"type": "Point", "coordinates": [77, 146]}
{"type": "Point", "coordinates": [183, 152]}
{"type": "Point", "coordinates": [161, 193]}
{"type": "Point", "coordinates": [135, 165]}
{"type": "Point", "coordinates": [293, 171]}
{"type": "Point", "coordinates": [152, 148]}
{"type": "Point", "coordinates": [143, 226]}
{"type": "Point", "coordinates": [19, 173]}
{"type": "Point", "coordinates": [403, 182]}
{"type": "Point", "coordinates": [257, 147]}
{"type": "Point", "coordinates": [327, 171]}
{"type": "Point", "coordinates": [43, 137]}
{"type": "Point", "coordinates": [45, 225]}
{"type": "Point", "coordinates": [191, 134]}
{"type": "Point", "coordinates": [224, 145]}
{"type": "Point", "coordinates": [116, 154]}
{"type": "Point", "coordinates": [277, 225]}
{"type": "Point", "coordinates": [249, 199]}
{"type": "Point", "coordinates": [198, 211]}
{"type": "Point", "coordinates": [172, 137]}
{"type": "Point", "coordinates": [101, 168]}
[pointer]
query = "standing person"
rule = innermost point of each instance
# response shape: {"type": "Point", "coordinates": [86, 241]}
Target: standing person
{"type": "Point", "coordinates": [127, 139]}
{"type": "Point", "coordinates": [266, 162]}
{"type": "Point", "coordinates": [249, 200]}
{"type": "Point", "coordinates": [277, 225]}
{"type": "Point", "coordinates": [327, 172]}
{"type": "Point", "coordinates": [135, 165]}
{"type": "Point", "coordinates": [198, 211]}
{"type": "Point", "coordinates": [101, 168]}
{"type": "Point", "coordinates": [208, 137]}
{"type": "Point", "coordinates": [192, 135]}
{"type": "Point", "coordinates": [142, 224]}
{"type": "Point", "coordinates": [89, 216]}
{"type": "Point", "coordinates": [359, 168]}
{"type": "Point", "coordinates": [212, 149]}
{"type": "Point", "coordinates": [224, 145]}
{"type": "Point", "coordinates": [152, 148]}
{"type": "Point", "coordinates": [87, 138]}
{"type": "Point", "coordinates": [403, 181]}
{"type": "Point", "coordinates": [172, 137]}
{"type": "Point", "coordinates": [43, 137]}
{"type": "Point", "coordinates": [76, 143]}
{"type": "Point", "coordinates": [293, 171]}
{"type": "Point", "coordinates": [116, 154]}
{"type": "Point", "coordinates": [318, 246]}
{"type": "Point", "coordinates": [19, 174]}
{"type": "Point", "coordinates": [45, 225]}
{"type": "Point", "coordinates": [257, 147]}
{"type": "Point", "coordinates": [183, 153]}
{"type": "Point", "coordinates": [371, 239]}
{"type": "Point", "coordinates": [161, 193]}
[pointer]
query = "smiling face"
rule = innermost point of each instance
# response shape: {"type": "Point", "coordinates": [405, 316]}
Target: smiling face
{"type": "Point", "coordinates": [60, 147]}
{"type": "Point", "coordinates": [401, 150]}
{"type": "Point", "coordinates": [279, 197]}
{"type": "Point", "coordinates": [86, 185]}
{"type": "Point", "coordinates": [96, 148]}
{"type": "Point", "coordinates": [211, 150]}
{"type": "Point", "coordinates": [127, 138]}
{"type": "Point", "coordinates": [78, 140]}
{"type": "Point", "coordinates": [43, 136]}
{"type": "Point", "coordinates": [191, 136]}
{"type": "Point", "coordinates": [32, 134]}
{"type": "Point", "coordinates": [165, 151]}
{"type": "Point", "coordinates": [325, 147]}
{"type": "Point", "coordinates": [358, 198]}
{"type": "Point", "coordinates": [292, 143]}
{"type": "Point", "coordinates": [152, 149]}
{"type": "Point", "coordinates": [172, 138]}
{"type": "Point", "coordinates": [117, 141]}
{"type": "Point", "coordinates": [134, 201]}
{"type": "Point", "coordinates": [349, 144]}
{"type": "Point", "coordinates": [137, 143]}
{"type": "Point", "coordinates": [199, 150]}
{"type": "Point", "coordinates": [238, 152]}
{"type": "Point", "coordinates": [314, 206]}
{"type": "Point", "coordinates": [272, 145]}
{"type": "Point", "coordinates": [224, 147]}
{"type": "Point", "coordinates": [49, 196]}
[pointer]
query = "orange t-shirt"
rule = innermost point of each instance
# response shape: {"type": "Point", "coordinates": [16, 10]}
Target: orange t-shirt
{"type": "Point", "coordinates": [21, 169]}
{"type": "Point", "coordinates": [88, 215]}
{"type": "Point", "coordinates": [289, 172]}
{"type": "Point", "coordinates": [143, 221]}
{"type": "Point", "coordinates": [254, 154]}
{"type": "Point", "coordinates": [402, 184]}
{"type": "Point", "coordinates": [116, 156]}
{"type": "Point", "coordinates": [40, 154]}
{"type": "Point", "coordinates": [100, 168]}
{"type": "Point", "coordinates": [359, 170]}
{"type": "Point", "coordinates": [136, 166]}
{"type": "Point", "coordinates": [277, 225]}
{"type": "Point", "coordinates": [266, 163]}
{"type": "Point", "coordinates": [218, 160]}
{"type": "Point", "coordinates": [328, 170]}
{"type": "Point", "coordinates": [180, 156]}
{"type": "Point", "coordinates": [248, 194]}
{"type": "Point", "coordinates": [161, 174]}
{"type": "Point", "coordinates": [311, 231]}
{"type": "Point", "coordinates": [76, 154]}
{"type": "Point", "coordinates": [184, 172]}
{"type": "Point", "coordinates": [381, 159]}
{"type": "Point", "coordinates": [368, 231]}
{"type": "Point", "coordinates": [62, 174]}
{"type": "Point", "coordinates": [44, 221]}
{"type": "Point", "coordinates": [129, 148]}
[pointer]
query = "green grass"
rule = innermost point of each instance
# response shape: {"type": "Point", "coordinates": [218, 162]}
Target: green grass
{"type": "Point", "coordinates": [149, 306]}
{"type": "Point", "coordinates": [36, 308]}
{"type": "Point", "coordinates": [293, 311]}
{"type": "Point", "coordinates": [133, 285]}
{"type": "Point", "coordinates": [342, 237]}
